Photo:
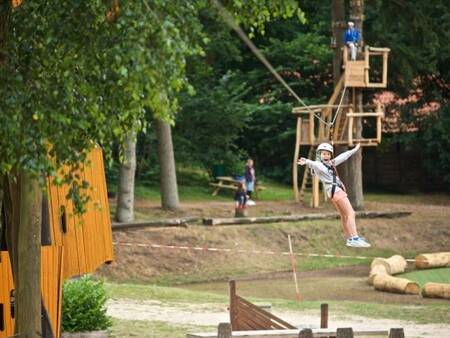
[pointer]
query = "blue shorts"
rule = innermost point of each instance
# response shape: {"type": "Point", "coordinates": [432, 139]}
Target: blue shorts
{"type": "Point", "coordinates": [249, 185]}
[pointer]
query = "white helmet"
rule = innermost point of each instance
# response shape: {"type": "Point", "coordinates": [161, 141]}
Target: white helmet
{"type": "Point", "coordinates": [325, 146]}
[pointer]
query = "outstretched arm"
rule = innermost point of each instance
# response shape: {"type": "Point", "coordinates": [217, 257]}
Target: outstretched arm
{"type": "Point", "coordinates": [346, 155]}
{"type": "Point", "coordinates": [309, 163]}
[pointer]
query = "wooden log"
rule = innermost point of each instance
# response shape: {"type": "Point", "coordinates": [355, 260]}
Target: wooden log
{"type": "Point", "coordinates": [305, 333]}
{"type": "Point", "coordinates": [393, 265]}
{"type": "Point", "coordinates": [378, 269]}
{"type": "Point", "coordinates": [224, 330]}
{"type": "Point", "coordinates": [346, 332]}
{"type": "Point", "coordinates": [305, 217]}
{"type": "Point", "coordinates": [395, 285]}
{"type": "Point", "coordinates": [178, 222]}
{"type": "Point", "coordinates": [436, 290]}
{"type": "Point", "coordinates": [433, 260]}
{"type": "Point", "coordinates": [396, 333]}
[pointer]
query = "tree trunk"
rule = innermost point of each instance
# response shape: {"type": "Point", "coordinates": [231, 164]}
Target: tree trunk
{"type": "Point", "coordinates": [27, 280]}
{"type": "Point", "coordinates": [354, 166]}
{"type": "Point", "coordinates": [125, 195]}
{"type": "Point", "coordinates": [22, 199]}
{"type": "Point", "coordinates": [168, 177]}
{"type": "Point", "coordinates": [338, 25]}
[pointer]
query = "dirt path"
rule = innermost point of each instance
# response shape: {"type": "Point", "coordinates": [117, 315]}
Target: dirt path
{"type": "Point", "coordinates": [212, 314]}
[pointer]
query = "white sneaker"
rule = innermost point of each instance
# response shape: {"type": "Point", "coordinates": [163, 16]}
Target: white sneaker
{"type": "Point", "coordinates": [357, 242]}
{"type": "Point", "coordinates": [251, 203]}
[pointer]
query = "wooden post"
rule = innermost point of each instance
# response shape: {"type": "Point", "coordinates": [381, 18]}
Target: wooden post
{"type": "Point", "coordinates": [224, 330]}
{"type": "Point", "coordinates": [323, 316]}
{"type": "Point", "coordinates": [311, 129]}
{"type": "Point", "coordinates": [296, 154]}
{"type": "Point", "coordinates": [350, 127]}
{"type": "Point", "coordinates": [233, 312]}
{"type": "Point", "coordinates": [294, 269]}
{"type": "Point", "coordinates": [379, 126]}
{"type": "Point", "coordinates": [305, 333]}
{"type": "Point", "coordinates": [396, 333]}
{"type": "Point", "coordinates": [366, 66]}
{"type": "Point", "coordinates": [344, 332]}
{"type": "Point", "coordinates": [385, 67]}
{"type": "Point", "coordinates": [315, 192]}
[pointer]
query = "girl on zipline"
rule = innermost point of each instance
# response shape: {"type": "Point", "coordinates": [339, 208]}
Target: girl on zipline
{"type": "Point", "coordinates": [325, 170]}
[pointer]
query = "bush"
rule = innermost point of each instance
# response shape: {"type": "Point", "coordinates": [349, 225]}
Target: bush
{"type": "Point", "coordinates": [83, 306]}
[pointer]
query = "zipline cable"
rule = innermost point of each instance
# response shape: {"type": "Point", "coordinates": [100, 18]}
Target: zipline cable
{"type": "Point", "coordinates": [229, 20]}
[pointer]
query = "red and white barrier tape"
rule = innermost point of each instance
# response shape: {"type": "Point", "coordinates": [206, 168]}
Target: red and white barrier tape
{"type": "Point", "coordinates": [268, 252]}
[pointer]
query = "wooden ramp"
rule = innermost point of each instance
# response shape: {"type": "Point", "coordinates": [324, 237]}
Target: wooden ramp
{"type": "Point", "coordinates": [245, 316]}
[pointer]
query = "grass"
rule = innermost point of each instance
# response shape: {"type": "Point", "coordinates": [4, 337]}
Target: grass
{"type": "Point", "coordinates": [200, 191]}
{"type": "Point", "coordinates": [421, 277]}
{"type": "Point", "coordinates": [162, 293]}
{"type": "Point", "coordinates": [421, 314]}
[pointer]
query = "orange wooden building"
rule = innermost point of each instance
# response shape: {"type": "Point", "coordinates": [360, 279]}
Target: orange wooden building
{"type": "Point", "coordinates": [77, 245]}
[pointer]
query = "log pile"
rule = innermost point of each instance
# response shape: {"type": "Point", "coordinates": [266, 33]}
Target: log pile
{"type": "Point", "coordinates": [382, 269]}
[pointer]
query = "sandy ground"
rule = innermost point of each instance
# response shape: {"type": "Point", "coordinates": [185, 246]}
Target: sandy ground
{"type": "Point", "coordinates": [213, 314]}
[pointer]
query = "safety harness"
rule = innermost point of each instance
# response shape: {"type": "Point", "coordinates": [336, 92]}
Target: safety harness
{"type": "Point", "coordinates": [332, 170]}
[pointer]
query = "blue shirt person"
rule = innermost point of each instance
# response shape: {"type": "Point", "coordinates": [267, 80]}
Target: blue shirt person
{"type": "Point", "coordinates": [352, 37]}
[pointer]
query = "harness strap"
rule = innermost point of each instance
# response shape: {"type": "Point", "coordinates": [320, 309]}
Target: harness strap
{"type": "Point", "coordinates": [335, 183]}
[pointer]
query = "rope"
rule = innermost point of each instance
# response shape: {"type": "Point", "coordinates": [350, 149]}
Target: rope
{"type": "Point", "coordinates": [331, 131]}
{"type": "Point", "coordinates": [227, 17]}
{"type": "Point", "coordinates": [266, 252]}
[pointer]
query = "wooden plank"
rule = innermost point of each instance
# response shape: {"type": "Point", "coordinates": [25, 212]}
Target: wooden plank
{"type": "Point", "coordinates": [294, 162]}
{"type": "Point", "coordinates": [265, 313]}
{"type": "Point", "coordinates": [254, 320]}
{"type": "Point", "coordinates": [104, 205]}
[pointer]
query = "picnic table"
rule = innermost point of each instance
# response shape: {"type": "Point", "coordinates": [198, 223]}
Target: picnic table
{"type": "Point", "coordinates": [228, 182]}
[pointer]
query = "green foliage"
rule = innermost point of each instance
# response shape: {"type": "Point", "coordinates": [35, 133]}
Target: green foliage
{"type": "Point", "coordinates": [434, 144]}
{"type": "Point", "coordinates": [83, 307]}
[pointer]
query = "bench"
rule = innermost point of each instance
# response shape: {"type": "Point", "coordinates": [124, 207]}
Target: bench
{"type": "Point", "coordinates": [228, 182]}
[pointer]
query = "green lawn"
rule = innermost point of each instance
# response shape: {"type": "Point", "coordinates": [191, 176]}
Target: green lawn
{"type": "Point", "coordinates": [199, 190]}
{"type": "Point", "coordinates": [441, 275]}
{"type": "Point", "coordinates": [430, 313]}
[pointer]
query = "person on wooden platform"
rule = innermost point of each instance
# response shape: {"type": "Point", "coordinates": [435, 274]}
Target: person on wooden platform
{"type": "Point", "coordinates": [325, 170]}
{"type": "Point", "coordinates": [240, 198]}
{"type": "Point", "coordinates": [351, 40]}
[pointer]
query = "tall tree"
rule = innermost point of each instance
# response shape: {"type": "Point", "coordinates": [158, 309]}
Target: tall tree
{"type": "Point", "coordinates": [168, 177]}
{"type": "Point", "coordinates": [125, 193]}
{"type": "Point", "coordinates": [354, 164]}
{"type": "Point", "coordinates": [338, 25]}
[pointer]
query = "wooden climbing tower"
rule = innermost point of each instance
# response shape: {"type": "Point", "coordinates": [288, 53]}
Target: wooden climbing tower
{"type": "Point", "coordinates": [334, 121]}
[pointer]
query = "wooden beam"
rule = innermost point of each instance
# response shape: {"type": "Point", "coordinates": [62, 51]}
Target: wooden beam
{"type": "Point", "coordinates": [311, 128]}
{"type": "Point", "coordinates": [233, 305]}
{"type": "Point", "coordinates": [350, 127]}
{"type": "Point", "coordinates": [294, 162]}
{"type": "Point", "coordinates": [365, 114]}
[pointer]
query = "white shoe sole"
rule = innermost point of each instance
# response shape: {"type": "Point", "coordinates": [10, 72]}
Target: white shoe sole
{"type": "Point", "coordinates": [358, 245]}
